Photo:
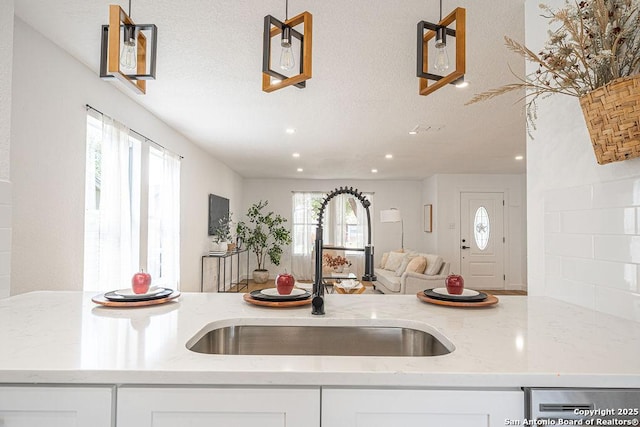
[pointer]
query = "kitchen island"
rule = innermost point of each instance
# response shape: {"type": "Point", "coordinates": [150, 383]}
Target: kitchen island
{"type": "Point", "coordinates": [53, 338]}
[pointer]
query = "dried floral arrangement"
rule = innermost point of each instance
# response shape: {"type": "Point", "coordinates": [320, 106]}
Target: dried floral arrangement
{"type": "Point", "coordinates": [596, 42]}
{"type": "Point", "coordinates": [334, 261]}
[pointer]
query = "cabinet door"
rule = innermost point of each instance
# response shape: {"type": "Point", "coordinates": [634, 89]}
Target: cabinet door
{"type": "Point", "coordinates": [419, 408]}
{"type": "Point", "coordinates": [25, 406]}
{"type": "Point", "coordinates": [224, 407]}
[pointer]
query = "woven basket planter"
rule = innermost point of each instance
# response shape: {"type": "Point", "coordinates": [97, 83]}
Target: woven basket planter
{"type": "Point", "coordinates": [612, 113]}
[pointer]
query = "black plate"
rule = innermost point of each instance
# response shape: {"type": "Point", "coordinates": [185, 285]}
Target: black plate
{"type": "Point", "coordinates": [113, 296]}
{"type": "Point", "coordinates": [279, 298]}
{"type": "Point", "coordinates": [475, 298]}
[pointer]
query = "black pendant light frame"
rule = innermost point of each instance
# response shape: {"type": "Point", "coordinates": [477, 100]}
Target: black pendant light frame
{"type": "Point", "coordinates": [427, 31]}
{"type": "Point", "coordinates": [270, 21]}
{"type": "Point", "coordinates": [119, 20]}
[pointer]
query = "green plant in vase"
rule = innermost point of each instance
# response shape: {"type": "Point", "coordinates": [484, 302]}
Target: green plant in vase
{"type": "Point", "coordinates": [222, 233]}
{"type": "Point", "coordinates": [264, 234]}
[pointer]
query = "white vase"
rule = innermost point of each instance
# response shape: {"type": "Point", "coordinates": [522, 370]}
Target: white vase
{"type": "Point", "coordinates": [260, 276]}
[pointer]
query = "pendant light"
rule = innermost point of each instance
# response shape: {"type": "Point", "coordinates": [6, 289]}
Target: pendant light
{"type": "Point", "coordinates": [273, 80]}
{"type": "Point", "coordinates": [128, 50]}
{"type": "Point", "coordinates": [441, 62]}
{"type": "Point", "coordinates": [287, 60]}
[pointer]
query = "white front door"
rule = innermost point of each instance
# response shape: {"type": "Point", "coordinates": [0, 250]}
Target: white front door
{"type": "Point", "coordinates": [482, 240]}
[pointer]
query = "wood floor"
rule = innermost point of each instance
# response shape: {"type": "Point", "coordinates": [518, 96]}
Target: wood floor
{"type": "Point", "coordinates": [270, 284]}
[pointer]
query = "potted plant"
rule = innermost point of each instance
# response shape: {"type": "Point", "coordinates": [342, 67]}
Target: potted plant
{"type": "Point", "coordinates": [593, 53]}
{"type": "Point", "coordinates": [264, 234]}
{"type": "Point", "coordinates": [222, 234]}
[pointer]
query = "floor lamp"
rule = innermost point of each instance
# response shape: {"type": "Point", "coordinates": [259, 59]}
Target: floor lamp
{"type": "Point", "coordinates": [393, 215]}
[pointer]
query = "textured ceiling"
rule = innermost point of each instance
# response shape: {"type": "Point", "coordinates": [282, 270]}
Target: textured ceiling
{"type": "Point", "coordinates": [360, 104]}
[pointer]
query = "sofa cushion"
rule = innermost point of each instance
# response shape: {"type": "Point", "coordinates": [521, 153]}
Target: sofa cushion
{"type": "Point", "coordinates": [394, 261]}
{"type": "Point", "coordinates": [434, 264]}
{"type": "Point", "coordinates": [388, 280]}
{"type": "Point", "coordinates": [417, 264]}
{"type": "Point", "coordinates": [405, 262]}
{"type": "Point", "coordinates": [383, 261]}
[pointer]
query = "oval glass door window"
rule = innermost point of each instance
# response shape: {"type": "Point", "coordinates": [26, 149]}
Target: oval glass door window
{"type": "Point", "coordinates": [481, 228]}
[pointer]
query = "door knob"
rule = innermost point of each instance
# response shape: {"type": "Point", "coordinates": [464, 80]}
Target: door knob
{"type": "Point", "coordinates": [465, 247]}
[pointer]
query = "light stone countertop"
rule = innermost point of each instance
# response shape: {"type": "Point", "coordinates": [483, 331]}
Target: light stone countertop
{"type": "Point", "coordinates": [62, 337]}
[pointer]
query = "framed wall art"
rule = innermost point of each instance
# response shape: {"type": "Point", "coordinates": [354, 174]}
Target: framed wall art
{"type": "Point", "coordinates": [428, 218]}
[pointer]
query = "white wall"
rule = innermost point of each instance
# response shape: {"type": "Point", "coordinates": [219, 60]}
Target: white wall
{"type": "Point", "coordinates": [430, 197]}
{"type": "Point", "coordinates": [50, 90]}
{"type": "Point", "coordinates": [6, 63]}
{"type": "Point", "coordinates": [443, 191]}
{"type": "Point", "coordinates": [583, 218]}
{"type": "Point", "coordinates": [404, 195]}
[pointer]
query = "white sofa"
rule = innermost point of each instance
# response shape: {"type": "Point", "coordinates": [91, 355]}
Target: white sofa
{"type": "Point", "coordinates": [409, 282]}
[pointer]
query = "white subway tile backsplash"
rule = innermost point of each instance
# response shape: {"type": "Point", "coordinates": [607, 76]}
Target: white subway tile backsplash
{"type": "Point", "coordinates": [599, 221]}
{"type": "Point", "coordinates": [4, 286]}
{"type": "Point", "coordinates": [616, 193]}
{"type": "Point", "coordinates": [617, 248]}
{"type": "Point", "coordinates": [5, 193]}
{"type": "Point", "coordinates": [5, 239]}
{"type": "Point", "coordinates": [5, 263]}
{"type": "Point", "coordinates": [572, 245]}
{"type": "Point", "coordinates": [5, 216]}
{"type": "Point", "coordinates": [575, 198]}
{"type": "Point", "coordinates": [553, 266]}
{"type": "Point", "coordinates": [552, 222]}
{"type": "Point", "coordinates": [618, 303]}
{"type": "Point", "coordinates": [623, 276]}
{"type": "Point", "coordinates": [573, 292]}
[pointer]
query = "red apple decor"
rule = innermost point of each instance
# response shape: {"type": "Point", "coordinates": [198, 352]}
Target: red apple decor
{"type": "Point", "coordinates": [140, 282]}
{"type": "Point", "coordinates": [284, 283]}
{"type": "Point", "coordinates": [455, 284]}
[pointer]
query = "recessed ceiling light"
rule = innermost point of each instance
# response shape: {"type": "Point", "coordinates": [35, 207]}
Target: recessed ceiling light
{"type": "Point", "coordinates": [519, 157]}
{"type": "Point", "coordinates": [374, 170]}
{"type": "Point", "coordinates": [296, 155]}
{"type": "Point", "coordinates": [290, 131]}
{"type": "Point", "coordinates": [462, 84]}
{"type": "Point", "coordinates": [300, 170]}
{"type": "Point", "coordinates": [414, 131]}
{"type": "Point", "coordinates": [388, 156]}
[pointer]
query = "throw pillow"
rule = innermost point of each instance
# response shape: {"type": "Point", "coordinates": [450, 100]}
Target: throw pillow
{"type": "Point", "coordinates": [405, 262]}
{"type": "Point", "coordinates": [383, 261]}
{"type": "Point", "coordinates": [394, 261]}
{"type": "Point", "coordinates": [434, 263]}
{"type": "Point", "coordinates": [417, 265]}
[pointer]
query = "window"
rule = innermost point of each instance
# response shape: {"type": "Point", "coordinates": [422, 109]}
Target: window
{"type": "Point", "coordinates": [345, 225]}
{"type": "Point", "coordinates": [482, 228]}
{"type": "Point", "coordinates": [115, 233]}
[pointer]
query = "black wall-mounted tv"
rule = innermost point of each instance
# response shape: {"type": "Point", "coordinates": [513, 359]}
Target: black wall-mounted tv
{"type": "Point", "coordinates": [218, 208]}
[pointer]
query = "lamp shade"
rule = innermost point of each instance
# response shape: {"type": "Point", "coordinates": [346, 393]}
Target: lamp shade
{"type": "Point", "coordinates": [390, 215]}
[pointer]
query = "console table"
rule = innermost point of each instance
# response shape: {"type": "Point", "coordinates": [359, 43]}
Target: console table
{"type": "Point", "coordinates": [222, 270]}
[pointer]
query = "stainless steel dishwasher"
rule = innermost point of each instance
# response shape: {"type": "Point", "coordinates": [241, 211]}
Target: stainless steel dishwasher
{"type": "Point", "coordinates": [577, 406]}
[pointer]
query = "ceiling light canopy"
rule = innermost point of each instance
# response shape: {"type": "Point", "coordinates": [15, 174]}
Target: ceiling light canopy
{"type": "Point", "coordinates": [128, 50]}
{"type": "Point", "coordinates": [274, 80]}
{"type": "Point", "coordinates": [441, 32]}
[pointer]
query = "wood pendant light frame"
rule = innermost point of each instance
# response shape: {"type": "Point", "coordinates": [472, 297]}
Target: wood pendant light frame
{"type": "Point", "coordinates": [459, 17]}
{"type": "Point", "coordinates": [110, 54]}
{"type": "Point", "coordinates": [272, 28]}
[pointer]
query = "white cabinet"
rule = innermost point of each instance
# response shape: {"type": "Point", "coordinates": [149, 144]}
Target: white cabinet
{"type": "Point", "coordinates": [419, 408]}
{"type": "Point", "coordinates": [233, 407]}
{"type": "Point", "coordinates": [26, 406]}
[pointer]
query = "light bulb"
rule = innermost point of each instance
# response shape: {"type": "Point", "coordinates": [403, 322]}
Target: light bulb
{"type": "Point", "coordinates": [128, 58]}
{"type": "Point", "coordinates": [441, 62]}
{"type": "Point", "coordinates": [287, 60]}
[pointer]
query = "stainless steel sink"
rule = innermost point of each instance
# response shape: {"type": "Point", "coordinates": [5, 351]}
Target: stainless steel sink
{"type": "Point", "coordinates": [322, 340]}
